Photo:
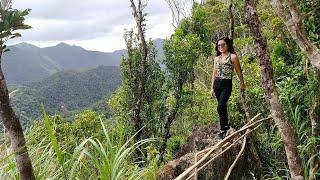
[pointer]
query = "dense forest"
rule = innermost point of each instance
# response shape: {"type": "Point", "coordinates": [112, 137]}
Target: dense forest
{"type": "Point", "coordinates": [161, 105]}
{"type": "Point", "coordinates": [65, 92]}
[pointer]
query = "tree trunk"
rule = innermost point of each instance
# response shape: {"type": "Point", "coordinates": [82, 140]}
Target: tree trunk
{"type": "Point", "coordinates": [169, 119]}
{"type": "Point", "coordinates": [245, 107]}
{"type": "Point", "coordinates": [231, 20]}
{"type": "Point", "coordinates": [314, 117]}
{"type": "Point", "coordinates": [13, 126]}
{"type": "Point", "coordinates": [270, 92]}
{"type": "Point", "coordinates": [292, 19]}
{"type": "Point", "coordinates": [137, 13]}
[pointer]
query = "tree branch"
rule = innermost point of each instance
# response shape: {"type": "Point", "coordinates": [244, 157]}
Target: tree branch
{"type": "Point", "coordinates": [292, 20]}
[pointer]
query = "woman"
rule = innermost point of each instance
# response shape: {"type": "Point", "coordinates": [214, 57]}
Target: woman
{"type": "Point", "coordinates": [221, 84]}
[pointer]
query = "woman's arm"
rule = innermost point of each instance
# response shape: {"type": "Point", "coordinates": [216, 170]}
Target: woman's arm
{"type": "Point", "coordinates": [237, 67]}
{"type": "Point", "coordinates": [214, 72]}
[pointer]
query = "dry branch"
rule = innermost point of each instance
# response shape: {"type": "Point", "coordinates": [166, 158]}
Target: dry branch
{"type": "Point", "coordinates": [238, 157]}
{"type": "Point", "coordinates": [226, 148]}
{"type": "Point", "coordinates": [220, 144]}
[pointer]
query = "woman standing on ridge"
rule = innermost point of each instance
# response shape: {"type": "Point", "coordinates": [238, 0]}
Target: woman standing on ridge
{"type": "Point", "coordinates": [221, 84]}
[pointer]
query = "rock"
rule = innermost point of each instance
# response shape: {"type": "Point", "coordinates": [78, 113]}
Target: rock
{"type": "Point", "coordinates": [205, 137]}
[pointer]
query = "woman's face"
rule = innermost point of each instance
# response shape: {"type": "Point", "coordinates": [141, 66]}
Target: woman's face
{"type": "Point", "coordinates": [222, 46]}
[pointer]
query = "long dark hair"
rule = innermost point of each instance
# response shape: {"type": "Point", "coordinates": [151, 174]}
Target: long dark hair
{"type": "Point", "coordinates": [229, 43]}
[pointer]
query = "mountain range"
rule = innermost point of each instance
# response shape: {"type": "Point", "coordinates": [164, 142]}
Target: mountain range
{"type": "Point", "coordinates": [64, 78]}
{"type": "Point", "coordinates": [28, 63]}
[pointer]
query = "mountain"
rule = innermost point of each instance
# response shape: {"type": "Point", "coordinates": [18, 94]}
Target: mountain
{"type": "Point", "coordinates": [159, 47]}
{"type": "Point", "coordinates": [65, 78]}
{"type": "Point", "coordinates": [75, 57]}
{"type": "Point", "coordinates": [64, 92]}
{"type": "Point", "coordinates": [28, 63]}
{"type": "Point", "coordinates": [25, 62]}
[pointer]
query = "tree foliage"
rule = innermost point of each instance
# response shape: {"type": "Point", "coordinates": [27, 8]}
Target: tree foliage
{"type": "Point", "coordinates": [153, 104]}
{"type": "Point", "coordinates": [177, 99]}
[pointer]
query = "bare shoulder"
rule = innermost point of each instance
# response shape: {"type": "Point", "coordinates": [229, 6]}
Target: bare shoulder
{"type": "Point", "coordinates": [215, 58]}
{"type": "Point", "coordinates": [234, 57]}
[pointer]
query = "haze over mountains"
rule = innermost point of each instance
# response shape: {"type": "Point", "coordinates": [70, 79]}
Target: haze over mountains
{"type": "Point", "coordinates": [29, 63]}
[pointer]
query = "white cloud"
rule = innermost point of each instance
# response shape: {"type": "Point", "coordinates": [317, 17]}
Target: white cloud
{"type": "Point", "coordinates": [92, 24]}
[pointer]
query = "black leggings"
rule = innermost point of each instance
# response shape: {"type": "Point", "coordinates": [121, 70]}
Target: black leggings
{"type": "Point", "coordinates": [222, 90]}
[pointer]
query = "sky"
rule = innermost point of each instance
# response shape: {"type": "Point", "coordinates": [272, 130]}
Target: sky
{"type": "Point", "coordinates": [92, 24]}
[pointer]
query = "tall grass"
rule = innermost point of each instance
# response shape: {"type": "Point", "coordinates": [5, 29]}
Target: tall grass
{"type": "Point", "coordinates": [54, 142]}
{"type": "Point", "coordinates": [277, 167]}
{"type": "Point", "coordinates": [110, 160]}
{"type": "Point", "coordinates": [109, 157]}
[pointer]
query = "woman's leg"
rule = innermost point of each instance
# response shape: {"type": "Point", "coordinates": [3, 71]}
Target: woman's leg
{"type": "Point", "coordinates": [217, 89]}
{"type": "Point", "coordinates": [223, 90]}
{"type": "Point", "coordinates": [222, 108]}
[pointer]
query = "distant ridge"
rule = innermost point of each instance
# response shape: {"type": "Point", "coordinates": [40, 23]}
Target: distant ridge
{"type": "Point", "coordinates": [29, 63]}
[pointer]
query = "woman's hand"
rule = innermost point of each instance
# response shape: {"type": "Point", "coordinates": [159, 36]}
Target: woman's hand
{"type": "Point", "coordinates": [242, 86]}
{"type": "Point", "coordinates": [212, 93]}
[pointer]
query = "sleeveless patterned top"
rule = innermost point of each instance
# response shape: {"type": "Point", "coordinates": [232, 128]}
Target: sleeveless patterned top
{"type": "Point", "coordinates": [224, 69]}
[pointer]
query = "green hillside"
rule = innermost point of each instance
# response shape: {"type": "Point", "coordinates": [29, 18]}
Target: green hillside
{"type": "Point", "coordinates": [65, 92]}
{"type": "Point", "coordinates": [29, 63]}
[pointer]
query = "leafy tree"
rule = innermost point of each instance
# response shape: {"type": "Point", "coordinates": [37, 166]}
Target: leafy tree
{"type": "Point", "coordinates": [181, 52]}
{"type": "Point", "coordinates": [311, 14]}
{"type": "Point", "coordinates": [139, 17]}
{"type": "Point", "coordinates": [11, 21]}
{"type": "Point", "coordinates": [153, 100]}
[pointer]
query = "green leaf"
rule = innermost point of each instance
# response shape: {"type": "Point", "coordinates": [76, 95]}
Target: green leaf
{"type": "Point", "coordinates": [17, 34]}
{"type": "Point", "coordinates": [52, 137]}
{"type": "Point", "coordinates": [21, 27]}
{"type": "Point", "coordinates": [5, 34]}
{"type": "Point", "coordinates": [1, 26]}
{"type": "Point", "coordinates": [25, 12]}
{"type": "Point", "coordinates": [10, 18]}
{"type": "Point", "coordinates": [6, 25]}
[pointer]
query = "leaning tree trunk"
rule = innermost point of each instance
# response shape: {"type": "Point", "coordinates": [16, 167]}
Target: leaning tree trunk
{"type": "Point", "coordinates": [270, 92]}
{"type": "Point", "coordinates": [170, 118]}
{"type": "Point", "coordinates": [137, 13]}
{"type": "Point", "coordinates": [14, 129]}
{"type": "Point", "coordinates": [292, 19]}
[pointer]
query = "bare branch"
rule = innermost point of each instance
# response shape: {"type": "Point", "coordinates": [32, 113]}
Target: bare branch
{"type": "Point", "coordinates": [249, 125]}
{"type": "Point", "coordinates": [178, 10]}
{"type": "Point", "coordinates": [227, 145]}
{"type": "Point", "coordinates": [237, 158]}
